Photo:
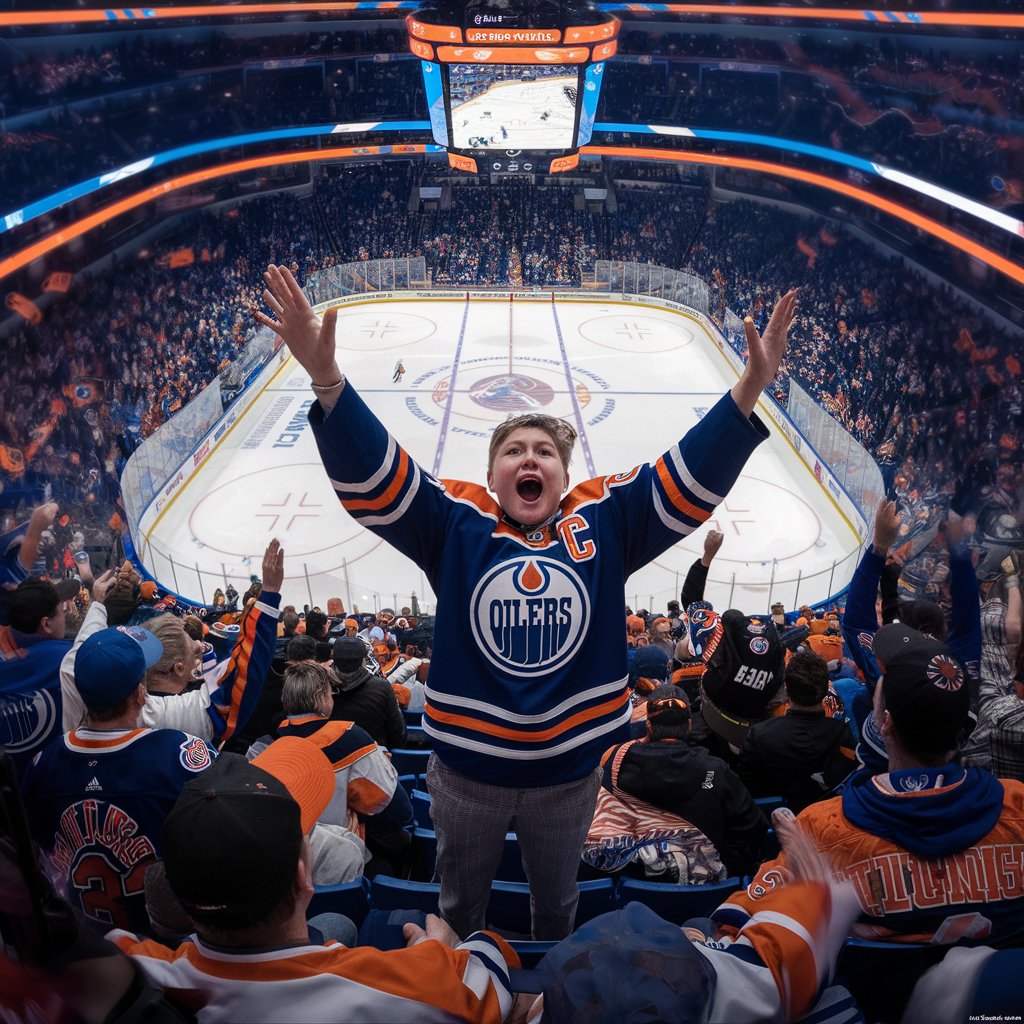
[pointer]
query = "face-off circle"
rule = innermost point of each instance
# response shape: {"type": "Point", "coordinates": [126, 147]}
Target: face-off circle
{"type": "Point", "coordinates": [624, 332]}
{"type": "Point", "coordinates": [361, 330]}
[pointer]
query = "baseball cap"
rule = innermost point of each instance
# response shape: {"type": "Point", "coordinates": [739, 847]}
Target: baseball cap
{"type": "Point", "coordinates": [924, 686]}
{"type": "Point", "coordinates": [349, 648]}
{"type": "Point", "coordinates": [626, 965]}
{"type": "Point", "coordinates": [112, 663]}
{"type": "Point", "coordinates": [351, 623]}
{"type": "Point", "coordinates": [649, 663]}
{"type": "Point", "coordinates": [667, 705]}
{"type": "Point", "coordinates": [234, 836]}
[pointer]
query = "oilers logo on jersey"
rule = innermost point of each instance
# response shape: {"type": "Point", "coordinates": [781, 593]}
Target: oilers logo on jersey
{"type": "Point", "coordinates": [529, 615]}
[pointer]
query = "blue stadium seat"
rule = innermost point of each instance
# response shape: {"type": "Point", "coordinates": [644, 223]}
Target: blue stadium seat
{"type": "Point", "coordinates": [421, 808]}
{"type": "Point", "coordinates": [413, 719]}
{"type": "Point", "coordinates": [530, 952]}
{"type": "Point", "coordinates": [408, 782]}
{"type": "Point", "coordinates": [881, 975]}
{"type": "Point", "coordinates": [676, 903]}
{"type": "Point", "coordinates": [349, 898]}
{"type": "Point", "coordinates": [400, 894]}
{"type": "Point", "coordinates": [408, 762]}
{"type": "Point", "coordinates": [769, 804]}
{"type": "Point", "coordinates": [417, 739]}
{"type": "Point", "coordinates": [509, 905]}
{"type": "Point", "coordinates": [423, 854]}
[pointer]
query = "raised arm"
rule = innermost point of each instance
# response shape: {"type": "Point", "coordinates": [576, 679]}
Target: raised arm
{"type": "Point", "coordinates": [764, 352]}
{"type": "Point", "coordinates": [308, 339]}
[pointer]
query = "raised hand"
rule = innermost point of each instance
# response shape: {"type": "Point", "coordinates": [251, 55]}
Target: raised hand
{"type": "Point", "coordinates": [273, 567]}
{"type": "Point", "coordinates": [765, 352]}
{"type": "Point", "coordinates": [712, 542]}
{"type": "Point", "coordinates": [887, 526]}
{"type": "Point", "coordinates": [309, 340]}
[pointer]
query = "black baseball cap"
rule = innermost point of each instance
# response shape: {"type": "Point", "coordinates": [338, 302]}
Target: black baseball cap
{"type": "Point", "coordinates": [348, 648]}
{"type": "Point", "coordinates": [233, 838]}
{"type": "Point", "coordinates": [924, 685]}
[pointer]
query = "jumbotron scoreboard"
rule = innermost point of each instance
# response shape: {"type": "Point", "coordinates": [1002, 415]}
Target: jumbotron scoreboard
{"type": "Point", "coordinates": [512, 85]}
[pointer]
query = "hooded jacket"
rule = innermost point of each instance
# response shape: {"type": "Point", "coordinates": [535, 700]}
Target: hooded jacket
{"type": "Point", "coordinates": [370, 702]}
{"type": "Point", "coordinates": [701, 789]}
{"type": "Point", "coordinates": [935, 855]}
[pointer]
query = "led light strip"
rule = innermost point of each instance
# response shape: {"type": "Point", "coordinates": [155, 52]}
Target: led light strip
{"type": "Point", "coordinates": [932, 227]}
{"type": "Point", "coordinates": [919, 185]}
{"type": "Point", "coordinates": [137, 14]}
{"type": "Point", "coordinates": [960, 19]}
{"type": "Point", "coordinates": [80, 227]}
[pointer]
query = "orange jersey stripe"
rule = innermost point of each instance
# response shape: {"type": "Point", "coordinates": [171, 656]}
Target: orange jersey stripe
{"type": "Point", "coordinates": [584, 493]}
{"type": "Point", "coordinates": [501, 731]}
{"type": "Point", "coordinates": [116, 741]}
{"type": "Point", "coordinates": [676, 496]}
{"type": "Point", "coordinates": [240, 663]}
{"type": "Point", "coordinates": [474, 494]}
{"type": "Point", "coordinates": [365, 797]}
{"type": "Point", "coordinates": [373, 504]}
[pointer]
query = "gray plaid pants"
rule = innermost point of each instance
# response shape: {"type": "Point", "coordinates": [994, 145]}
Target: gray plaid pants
{"type": "Point", "coordinates": [471, 819]}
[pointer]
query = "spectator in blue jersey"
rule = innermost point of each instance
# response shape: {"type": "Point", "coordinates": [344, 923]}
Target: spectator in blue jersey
{"type": "Point", "coordinates": [177, 700]}
{"type": "Point", "coordinates": [860, 620]}
{"type": "Point", "coordinates": [97, 797]}
{"type": "Point", "coordinates": [527, 685]}
{"type": "Point", "coordinates": [18, 550]}
{"type": "Point", "coordinates": [31, 650]}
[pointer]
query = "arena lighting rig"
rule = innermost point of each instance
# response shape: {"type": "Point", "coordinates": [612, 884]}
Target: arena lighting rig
{"type": "Point", "coordinates": [512, 85]}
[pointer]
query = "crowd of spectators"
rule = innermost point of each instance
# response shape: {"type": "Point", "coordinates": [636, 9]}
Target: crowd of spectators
{"type": "Point", "coordinates": [942, 115]}
{"type": "Point", "coordinates": [919, 378]}
{"type": "Point", "coordinates": [861, 730]}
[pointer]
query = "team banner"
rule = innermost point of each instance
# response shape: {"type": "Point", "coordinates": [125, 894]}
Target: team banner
{"type": "Point", "coordinates": [58, 281]}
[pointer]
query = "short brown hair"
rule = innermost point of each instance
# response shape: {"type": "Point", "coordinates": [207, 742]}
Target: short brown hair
{"type": "Point", "coordinates": [561, 432]}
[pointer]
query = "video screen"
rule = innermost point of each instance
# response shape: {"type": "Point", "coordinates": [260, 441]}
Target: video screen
{"type": "Point", "coordinates": [513, 106]}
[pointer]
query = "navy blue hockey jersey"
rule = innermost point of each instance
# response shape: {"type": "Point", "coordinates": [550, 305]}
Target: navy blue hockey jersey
{"type": "Point", "coordinates": [527, 683]}
{"type": "Point", "coordinates": [95, 803]}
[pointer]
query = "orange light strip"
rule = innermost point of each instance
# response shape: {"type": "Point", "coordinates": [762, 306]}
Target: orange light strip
{"type": "Point", "coordinates": [80, 227]}
{"type": "Point", "coordinates": [953, 238]}
{"type": "Point", "coordinates": [913, 19]}
{"type": "Point", "coordinates": [960, 19]}
{"type": "Point", "coordinates": [134, 15]}
{"type": "Point", "coordinates": [591, 33]}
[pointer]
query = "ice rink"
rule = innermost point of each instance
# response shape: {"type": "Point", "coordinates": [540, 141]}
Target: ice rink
{"type": "Point", "coordinates": [631, 378]}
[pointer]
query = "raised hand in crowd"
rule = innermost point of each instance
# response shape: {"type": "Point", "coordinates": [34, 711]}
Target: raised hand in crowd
{"type": "Point", "coordinates": [102, 586]}
{"type": "Point", "coordinates": [273, 567]}
{"type": "Point", "coordinates": [765, 352]}
{"type": "Point", "coordinates": [712, 544]}
{"type": "Point", "coordinates": [309, 340]}
{"type": "Point", "coordinates": [887, 527]}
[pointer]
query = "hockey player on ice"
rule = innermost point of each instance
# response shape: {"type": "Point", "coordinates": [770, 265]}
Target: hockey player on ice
{"type": "Point", "coordinates": [399, 372]}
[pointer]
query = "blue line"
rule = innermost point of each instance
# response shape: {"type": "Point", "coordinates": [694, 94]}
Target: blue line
{"type": "Point", "coordinates": [451, 393]}
{"type": "Point", "coordinates": [577, 412]}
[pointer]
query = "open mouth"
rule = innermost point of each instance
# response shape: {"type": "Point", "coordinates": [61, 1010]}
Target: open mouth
{"type": "Point", "coordinates": [529, 490]}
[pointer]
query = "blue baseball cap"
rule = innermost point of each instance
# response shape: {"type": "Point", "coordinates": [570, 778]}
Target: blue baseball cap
{"type": "Point", "coordinates": [112, 663]}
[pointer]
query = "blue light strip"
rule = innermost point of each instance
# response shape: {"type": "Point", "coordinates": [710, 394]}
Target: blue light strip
{"type": "Point", "coordinates": [84, 188]}
{"type": "Point", "coordinates": [925, 188]}
{"type": "Point", "coordinates": [921, 186]}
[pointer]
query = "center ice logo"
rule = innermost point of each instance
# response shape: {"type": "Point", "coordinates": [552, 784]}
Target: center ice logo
{"type": "Point", "coordinates": [529, 615]}
{"type": "Point", "coordinates": [511, 392]}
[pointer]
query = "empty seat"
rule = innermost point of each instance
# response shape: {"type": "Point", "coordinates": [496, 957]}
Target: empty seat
{"type": "Point", "coordinates": [676, 903]}
{"type": "Point", "coordinates": [401, 894]}
{"type": "Point", "coordinates": [349, 898]}
{"type": "Point", "coordinates": [408, 762]}
{"type": "Point", "coordinates": [509, 906]}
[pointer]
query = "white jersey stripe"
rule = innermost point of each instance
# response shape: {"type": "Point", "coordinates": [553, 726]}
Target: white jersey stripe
{"type": "Point", "coordinates": [670, 521]}
{"type": "Point", "coordinates": [397, 514]}
{"type": "Point", "coordinates": [537, 754]}
{"type": "Point", "coordinates": [676, 455]}
{"type": "Point", "coordinates": [374, 481]}
{"type": "Point", "coordinates": [616, 686]}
